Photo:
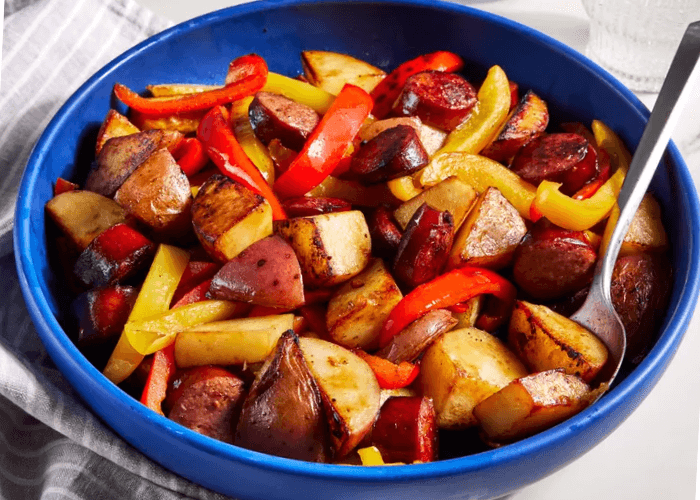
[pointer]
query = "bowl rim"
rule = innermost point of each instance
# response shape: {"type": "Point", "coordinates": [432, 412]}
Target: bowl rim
{"type": "Point", "coordinates": [65, 353]}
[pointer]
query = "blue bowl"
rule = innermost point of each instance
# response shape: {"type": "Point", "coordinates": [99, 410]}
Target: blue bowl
{"type": "Point", "coordinates": [385, 34]}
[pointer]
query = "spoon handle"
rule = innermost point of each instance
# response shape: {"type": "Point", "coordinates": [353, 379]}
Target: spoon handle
{"type": "Point", "coordinates": [669, 104]}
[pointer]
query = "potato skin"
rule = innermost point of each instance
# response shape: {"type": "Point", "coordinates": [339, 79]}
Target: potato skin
{"type": "Point", "coordinates": [331, 248]}
{"type": "Point", "coordinates": [158, 194]}
{"type": "Point", "coordinates": [283, 413]}
{"type": "Point", "coordinates": [490, 235]}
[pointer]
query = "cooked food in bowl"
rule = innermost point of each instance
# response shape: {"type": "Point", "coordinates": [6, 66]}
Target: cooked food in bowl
{"type": "Point", "coordinates": [341, 266]}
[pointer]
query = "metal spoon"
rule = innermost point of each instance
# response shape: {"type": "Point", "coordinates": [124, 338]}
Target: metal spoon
{"type": "Point", "coordinates": [597, 313]}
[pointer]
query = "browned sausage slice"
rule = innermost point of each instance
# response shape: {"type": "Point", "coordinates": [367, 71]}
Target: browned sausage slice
{"type": "Point", "coordinates": [552, 262]}
{"type": "Point", "coordinates": [384, 232]}
{"type": "Point", "coordinates": [305, 206]}
{"type": "Point", "coordinates": [440, 99]}
{"type": "Point", "coordinates": [276, 116]}
{"type": "Point", "coordinates": [562, 157]}
{"type": "Point", "coordinates": [640, 288]}
{"type": "Point", "coordinates": [424, 247]}
{"type": "Point", "coordinates": [393, 153]}
{"type": "Point", "coordinates": [207, 399]}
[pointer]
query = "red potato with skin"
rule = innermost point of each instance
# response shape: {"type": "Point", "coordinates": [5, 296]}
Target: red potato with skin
{"type": "Point", "coordinates": [275, 116]}
{"type": "Point", "coordinates": [283, 414]}
{"type": "Point", "coordinates": [267, 273]}
{"type": "Point", "coordinates": [424, 246]}
{"type": "Point", "coordinates": [552, 262]}
{"type": "Point", "coordinates": [410, 342]}
{"type": "Point", "coordinates": [405, 430]}
{"type": "Point", "coordinates": [441, 99]}
{"type": "Point", "coordinates": [393, 153]}
{"type": "Point", "coordinates": [207, 399]}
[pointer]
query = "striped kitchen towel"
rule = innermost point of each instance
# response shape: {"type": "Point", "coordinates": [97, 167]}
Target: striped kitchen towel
{"type": "Point", "coordinates": [51, 445]}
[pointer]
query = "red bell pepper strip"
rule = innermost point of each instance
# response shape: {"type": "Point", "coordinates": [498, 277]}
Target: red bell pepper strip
{"type": "Point", "coordinates": [195, 273]}
{"type": "Point", "coordinates": [227, 154]}
{"type": "Point", "coordinates": [446, 290]}
{"type": "Point", "coordinates": [535, 213]}
{"type": "Point", "coordinates": [190, 155]}
{"type": "Point", "coordinates": [390, 375]}
{"type": "Point", "coordinates": [327, 143]}
{"type": "Point", "coordinates": [63, 186]}
{"type": "Point", "coordinates": [196, 294]}
{"type": "Point", "coordinates": [386, 92]}
{"type": "Point", "coordinates": [162, 370]}
{"type": "Point", "coordinates": [604, 168]}
{"type": "Point", "coordinates": [253, 73]}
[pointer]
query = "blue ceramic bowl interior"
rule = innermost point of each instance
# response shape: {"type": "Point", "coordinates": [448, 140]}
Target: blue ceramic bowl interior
{"type": "Point", "coordinates": [385, 34]}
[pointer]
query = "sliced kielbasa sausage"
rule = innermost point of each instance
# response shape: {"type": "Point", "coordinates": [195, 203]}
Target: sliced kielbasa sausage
{"type": "Point", "coordinates": [396, 152]}
{"type": "Point", "coordinates": [208, 400]}
{"type": "Point", "coordinates": [384, 232]}
{"type": "Point", "coordinates": [552, 262]}
{"type": "Point", "coordinates": [276, 116]}
{"type": "Point", "coordinates": [424, 246]}
{"type": "Point", "coordinates": [305, 206]}
{"type": "Point", "coordinates": [564, 157]}
{"type": "Point", "coordinates": [443, 100]}
{"type": "Point", "coordinates": [639, 291]}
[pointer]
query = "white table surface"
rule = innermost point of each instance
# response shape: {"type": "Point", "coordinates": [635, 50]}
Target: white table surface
{"type": "Point", "coordinates": [652, 455]}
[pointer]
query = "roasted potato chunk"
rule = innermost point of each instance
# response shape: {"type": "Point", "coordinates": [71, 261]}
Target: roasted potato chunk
{"type": "Point", "coordinates": [283, 414]}
{"type": "Point", "coordinates": [461, 369]}
{"type": "Point", "coordinates": [120, 156]}
{"type": "Point", "coordinates": [527, 120]}
{"type": "Point", "coordinates": [82, 215]}
{"type": "Point", "coordinates": [331, 70]}
{"type": "Point", "coordinates": [349, 390]}
{"type": "Point", "coordinates": [452, 194]}
{"type": "Point", "coordinates": [646, 232]}
{"type": "Point", "coordinates": [158, 194]}
{"type": "Point", "coordinates": [228, 217]}
{"type": "Point", "coordinates": [545, 340]}
{"type": "Point", "coordinates": [114, 125]}
{"type": "Point", "coordinates": [357, 311]}
{"type": "Point", "coordinates": [332, 248]}
{"type": "Point", "coordinates": [532, 404]}
{"type": "Point", "coordinates": [490, 235]}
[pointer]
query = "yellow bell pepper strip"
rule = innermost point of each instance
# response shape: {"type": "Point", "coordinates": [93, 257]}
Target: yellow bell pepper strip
{"type": "Point", "coordinates": [487, 118]}
{"type": "Point", "coordinates": [404, 188]}
{"type": "Point", "coordinates": [227, 154]}
{"type": "Point", "coordinates": [579, 215]}
{"type": "Point", "coordinates": [304, 93]}
{"type": "Point", "coordinates": [446, 290]}
{"type": "Point", "coordinates": [156, 332]}
{"type": "Point", "coordinates": [481, 172]}
{"type": "Point", "coordinates": [253, 71]}
{"type": "Point", "coordinates": [253, 148]}
{"type": "Point", "coordinates": [370, 456]}
{"type": "Point", "coordinates": [327, 143]}
{"type": "Point", "coordinates": [386, 91]}
{"type": "Point", "coordinates": [155, 296]}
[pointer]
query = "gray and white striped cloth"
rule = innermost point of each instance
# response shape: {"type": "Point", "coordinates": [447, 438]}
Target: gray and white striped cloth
{"type": "Point", "coordinates": [51, 445]}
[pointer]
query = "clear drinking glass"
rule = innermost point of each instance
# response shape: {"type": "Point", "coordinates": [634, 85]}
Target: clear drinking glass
{"type": "Point", "coordinates": [635, 39]}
